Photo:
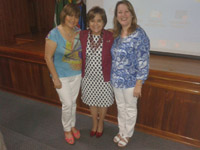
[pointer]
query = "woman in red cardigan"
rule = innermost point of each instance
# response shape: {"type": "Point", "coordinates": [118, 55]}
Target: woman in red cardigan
{"type": "Point", "coordinates": [96, 90]}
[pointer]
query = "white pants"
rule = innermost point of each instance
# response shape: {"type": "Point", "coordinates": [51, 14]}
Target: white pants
{"type": "Point", "coordinates": [127, 110]}
{"type": "Point", "coordinates": [68, 95]}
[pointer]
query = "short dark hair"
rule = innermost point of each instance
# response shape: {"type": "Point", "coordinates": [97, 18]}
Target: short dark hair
{"type": "Point", "coordinates": [96, 10]}
{"type": "Point", "coordinates": [69, 10]}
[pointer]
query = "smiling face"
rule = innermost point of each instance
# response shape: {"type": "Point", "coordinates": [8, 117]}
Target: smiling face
{"type": "Point", "coordinates": [96, 24]}
{"type": "Point", "coordinates": [71, 21]}
{"type": "Point", "coordinates": [124, 16]}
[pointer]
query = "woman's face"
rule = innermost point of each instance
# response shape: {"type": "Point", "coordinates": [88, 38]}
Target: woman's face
{"type": "Point", "coordinates": [124, 16]}
{"type": "Point", "coordinates": [96, 24]}
{"type": "Point", "coordinates": [71, 21]}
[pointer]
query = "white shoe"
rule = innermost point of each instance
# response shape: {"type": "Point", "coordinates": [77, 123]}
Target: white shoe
{"type": "Point", "coordinates": [117, 138]}
{"type": "Point", "coordinates": [123, 142]}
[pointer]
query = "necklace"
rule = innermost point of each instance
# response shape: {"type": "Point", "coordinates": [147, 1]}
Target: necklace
{"type": "Point", "coordinates": [67, 33]}
{"type": "Point", "coordinates": [94, 45]}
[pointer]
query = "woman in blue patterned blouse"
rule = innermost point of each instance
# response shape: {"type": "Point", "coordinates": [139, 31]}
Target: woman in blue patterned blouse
{"type": "Point", "coordinates": [130, 67]}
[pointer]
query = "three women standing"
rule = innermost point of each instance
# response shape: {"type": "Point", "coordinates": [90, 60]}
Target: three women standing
{"type": "Point", "coordinates": [62, 55]}
{"type": "Point", "coordinates": [130, 67]}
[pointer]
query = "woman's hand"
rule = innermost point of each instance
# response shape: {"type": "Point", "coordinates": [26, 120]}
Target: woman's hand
{"type": "Point", "coordinates": [57, 83]}
{"type": "Point", "coordinates": [138, 89]}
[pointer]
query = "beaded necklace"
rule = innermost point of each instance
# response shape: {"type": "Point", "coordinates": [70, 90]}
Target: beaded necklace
{"type": "Point", "coordinates": [94, 45]}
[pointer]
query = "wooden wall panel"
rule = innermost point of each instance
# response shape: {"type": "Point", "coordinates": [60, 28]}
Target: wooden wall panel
{"type": "Point", "coordinates": [6, 24]}
{"type": "Point", "coordinates": [26, 77]}
{"type": "Point", "coordinates": [20, 17]}
{"type": "Point", "coordinates": [5, 75]}
{"type": "Point", "coordinates": [32, 15]}
{"type": "Point", "coordinates": [44, 14]}
{"type": "Point", "coordinates": [170, 105]}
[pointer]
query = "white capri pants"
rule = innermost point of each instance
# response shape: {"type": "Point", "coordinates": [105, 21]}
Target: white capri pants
{"type": "Point", "coordinates": [127, 110]}
{"type": "Point", "coordinates": [68, 95]}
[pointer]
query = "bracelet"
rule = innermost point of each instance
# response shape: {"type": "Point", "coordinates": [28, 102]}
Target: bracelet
{"type": "Point", "coordinates": [138, 85]}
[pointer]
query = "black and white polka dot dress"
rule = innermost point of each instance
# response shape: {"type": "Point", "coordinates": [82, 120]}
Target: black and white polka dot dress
{"type": "Point", "coordinates": [95, 92]}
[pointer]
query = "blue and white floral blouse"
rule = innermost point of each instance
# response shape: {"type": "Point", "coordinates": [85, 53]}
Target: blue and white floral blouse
{"type": "Point", "coordinates": [130, 59]}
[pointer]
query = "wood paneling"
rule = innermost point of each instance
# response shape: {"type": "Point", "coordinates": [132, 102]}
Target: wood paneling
{"type": "Point", "coordinates": [170, 103]}
{"type": "Point", "coordinates": [26, 73]}
{"type": "Point", "coordinates": [27, 79]}
{"type": "Point", "coordinates": [20, 17]}
{"type": "Point", "coordinates": [44, 14]}
{"type": "Point", "coordinates": [6, 24]}
{"type": "Point", "coordinates": [24, 16]}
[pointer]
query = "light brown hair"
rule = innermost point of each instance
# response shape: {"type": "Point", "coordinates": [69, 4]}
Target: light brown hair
{"type": "Point", "coordinates": [117, 26]}
{"type": "Point", "coordinates": [69, 10]}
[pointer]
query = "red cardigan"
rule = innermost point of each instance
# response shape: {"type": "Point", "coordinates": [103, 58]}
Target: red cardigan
{"type": "Point", "coordinates": [106, 54]}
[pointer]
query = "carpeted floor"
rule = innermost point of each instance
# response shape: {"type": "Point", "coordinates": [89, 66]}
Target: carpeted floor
{"type": "Point", "coordinates": [31, 125]}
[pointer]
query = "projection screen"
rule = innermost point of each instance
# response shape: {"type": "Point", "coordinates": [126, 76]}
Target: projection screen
{"type": "Point", "coordinates": [173, 26]}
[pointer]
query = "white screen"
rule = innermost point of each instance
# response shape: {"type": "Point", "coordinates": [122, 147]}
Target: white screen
{"type": "Point", "coordinates": [173, 26]}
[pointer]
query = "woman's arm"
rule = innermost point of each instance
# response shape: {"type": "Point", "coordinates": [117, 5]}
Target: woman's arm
{"type": "Point", "coordinates": [142, 56]}
{"type": "Point", "coordinates": [50, 48]}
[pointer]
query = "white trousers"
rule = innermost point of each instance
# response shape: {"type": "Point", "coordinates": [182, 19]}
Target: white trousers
{"type": "Point", "coordinates": [68, 95]}
{"type": "Point", "coordinates": [127, 110]}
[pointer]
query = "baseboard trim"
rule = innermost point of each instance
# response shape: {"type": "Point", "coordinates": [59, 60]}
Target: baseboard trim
{"type": "Point", "coordinates": [168, 135]}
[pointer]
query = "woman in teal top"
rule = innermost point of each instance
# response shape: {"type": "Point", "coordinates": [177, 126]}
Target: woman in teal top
{"type": "Point", "coordinates": [62, 55]}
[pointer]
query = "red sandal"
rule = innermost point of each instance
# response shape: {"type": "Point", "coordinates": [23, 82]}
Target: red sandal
{"type": "Point", "coordinates": [70, 140]}
{"type": "Point", "coordinates": [76, 134]}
